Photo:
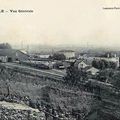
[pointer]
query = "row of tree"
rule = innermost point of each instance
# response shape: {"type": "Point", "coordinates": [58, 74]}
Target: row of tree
{"type": "Point", "coordinates": [58, 56]}
{"type": "Point", "coordinates": [103, 64]}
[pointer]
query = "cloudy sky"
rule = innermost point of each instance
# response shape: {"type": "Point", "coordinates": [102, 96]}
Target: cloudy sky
{"type": "Point", "coordinates": [57, 22]}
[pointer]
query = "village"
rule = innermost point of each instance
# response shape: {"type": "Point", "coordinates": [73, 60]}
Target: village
{"type": "Point", "coordinates": [59, 61]}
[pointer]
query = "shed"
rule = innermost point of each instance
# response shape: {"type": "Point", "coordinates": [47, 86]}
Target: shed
{"type": "Point", "coordinates": [13, 55]}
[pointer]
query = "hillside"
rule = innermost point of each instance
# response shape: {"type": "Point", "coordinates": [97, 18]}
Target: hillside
{"type": "Point", "coordinates": [49, 95]}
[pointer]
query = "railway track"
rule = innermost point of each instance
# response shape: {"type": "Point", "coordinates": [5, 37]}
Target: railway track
{"type": "Point", "coordinates": [33, 71]}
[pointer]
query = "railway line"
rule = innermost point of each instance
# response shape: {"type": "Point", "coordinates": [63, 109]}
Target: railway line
{"type": "Point", "coordinates": [35, 72]}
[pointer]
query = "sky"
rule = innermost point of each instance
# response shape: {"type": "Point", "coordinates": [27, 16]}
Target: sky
{"type": "Point", "coordinates": [61, 22]}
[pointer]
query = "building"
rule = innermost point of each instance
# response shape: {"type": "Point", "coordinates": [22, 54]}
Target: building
{"type": "Point", "coordinates": [86, 66]}
{"type": "Point", "coordinates": [40, 56]}
{"type": "Point", "coordinates": [92, 71]}
{"type": "Point", "coordinates": [44, 56]}
{"type": "Point", "coordinates": [3, 58]}
{"type": "Point", "coordinates": [108, 57]}
{"type": "Point", "coordinates": [68, 53]}
{"type": "Point", "coordinates": [11, 55]}
{"type": "Point", "coordinates": [82, 64]}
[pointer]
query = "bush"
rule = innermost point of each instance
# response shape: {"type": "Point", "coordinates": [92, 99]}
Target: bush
{"type": "Point", "coordinates": [58, 56]}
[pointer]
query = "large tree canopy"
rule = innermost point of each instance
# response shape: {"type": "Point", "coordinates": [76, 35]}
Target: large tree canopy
{"type": "Point", "coordinates": [102, 64]}
{"type": "Point", "coordinates": [110, 76]}
{"type": "Point", "coordinates": [74, 76]}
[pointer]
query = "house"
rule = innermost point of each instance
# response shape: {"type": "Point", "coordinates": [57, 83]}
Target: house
{"type": "Point", "coordinates": [12, 55]}
{"type": "Point", "coordinates": [3, 58]}
{"type": "Point", "coordinates": [92, 71]}
{"type": "Point", "coordinates": [81, 64]}
{"type": "Point", "coordinates": [68, 53]}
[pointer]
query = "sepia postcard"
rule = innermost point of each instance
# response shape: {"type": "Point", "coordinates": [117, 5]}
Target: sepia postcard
{"type": "Point", "coordinates": [59, 60]}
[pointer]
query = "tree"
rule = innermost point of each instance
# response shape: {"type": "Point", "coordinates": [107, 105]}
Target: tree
{"type": "Point", "coordinates": [105, 75]}
{"type": "Point", "coordinates": [57, 56]}
{"type": "Point", "coordinates": [113, 65]}
{"type": "Point", "coordinates": [95, 64]}
{"type": "Point", "coordinates": [74, 76]}
{"type": "Point", "coordinates": [5, 46]}
{"type": "Point", "coordinates": [103, 64]}
{"type": "Point", "coordinates": [116, 80]}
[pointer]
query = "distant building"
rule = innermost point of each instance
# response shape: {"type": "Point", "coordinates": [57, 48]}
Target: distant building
{"type": "Point", "coordinates": [81, 64]}
{"type": "Point", "coordinates": [86, 66]}
{"type": "Point", "coordinates": [113, 59]}
{"type": "Point", "coordinates": [68, 53]}
{"type": "Point", "coordinates": [40, 56]}
{"type": "Point", "coordinates": [44, 56]}
{"type": "Point", "coordinates": [108, 57]}
{"type": "Point", "coordinates": [12, 55]}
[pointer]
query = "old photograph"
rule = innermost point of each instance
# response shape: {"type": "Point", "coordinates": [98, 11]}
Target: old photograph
{"type": "Point", "coordinates": [59, 60]}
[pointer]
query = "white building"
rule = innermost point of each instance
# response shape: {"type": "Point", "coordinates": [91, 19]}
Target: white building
{"type": "Point", "coordinates": [82, 65]}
